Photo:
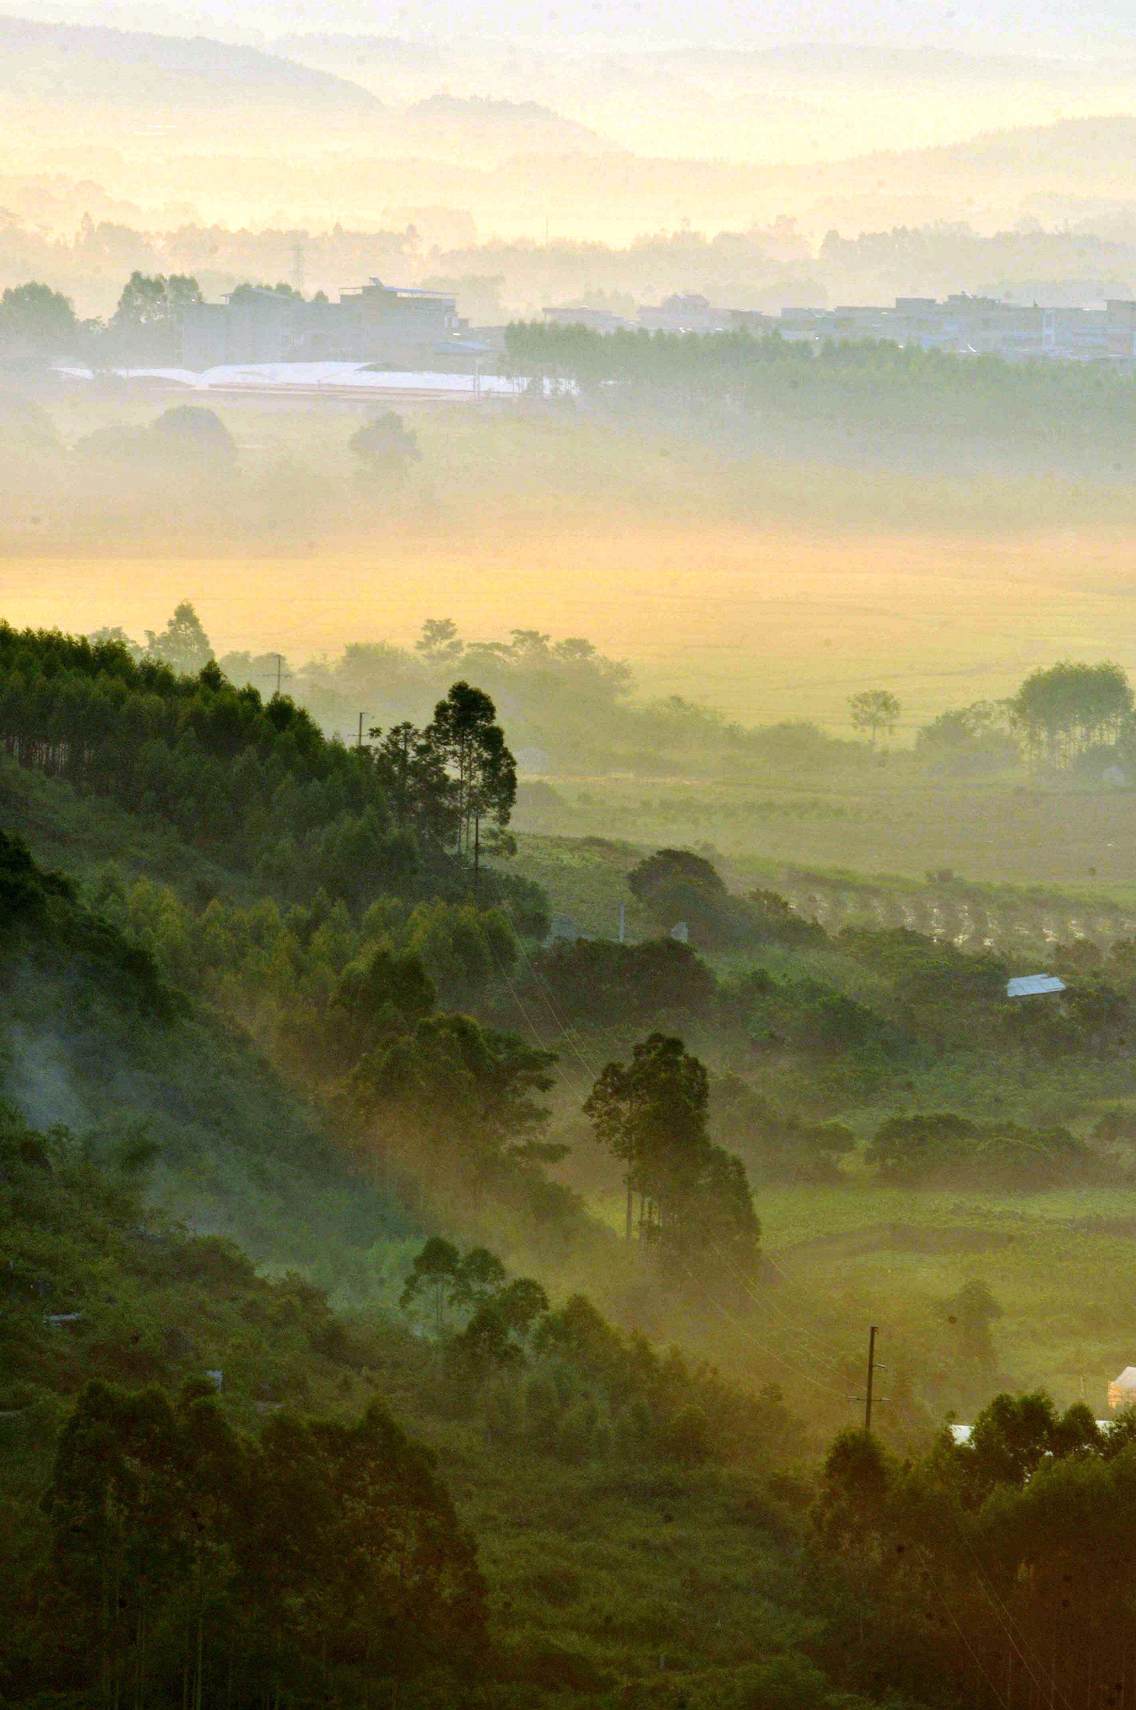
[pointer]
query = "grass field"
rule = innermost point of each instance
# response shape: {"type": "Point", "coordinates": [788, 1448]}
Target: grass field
{"type": "Point", "coordinates": [768, 589]}
{"type": "Point", "coordinates": [1058, 1263]}
{"type": "Point", "coordinates": [829, 874]}
{"type": "Point", "coordinates": [761, 623]}
{"type": "Point", "coordinates": [896, 820]}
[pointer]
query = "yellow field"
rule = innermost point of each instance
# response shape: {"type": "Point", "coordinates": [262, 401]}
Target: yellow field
{"type": "Point", "coordinates": [765, 624]}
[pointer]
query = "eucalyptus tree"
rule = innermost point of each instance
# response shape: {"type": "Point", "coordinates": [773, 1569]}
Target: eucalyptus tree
{"type": "Point", "coordinates": [1067, 708]}
{"type": "Point", "coordinates": [652, 1114]}
{"type": "Point", "coordinates": [466, 737]}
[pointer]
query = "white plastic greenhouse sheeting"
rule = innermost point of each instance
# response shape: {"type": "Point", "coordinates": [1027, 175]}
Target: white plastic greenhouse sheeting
{"type": "Point", "coordinates": [284, 375]}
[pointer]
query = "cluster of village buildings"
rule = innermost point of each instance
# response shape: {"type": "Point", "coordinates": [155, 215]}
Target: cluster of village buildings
{"type": "Point", "coordinates": [390, 325]}
{"type": "Point", "coordinates": [401, 328]}
{"type": "Point", "coordinates": [962, 325]}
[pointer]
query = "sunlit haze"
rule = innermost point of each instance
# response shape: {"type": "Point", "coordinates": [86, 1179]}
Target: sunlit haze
{"type": "Point", "coordinates": [567, 808]}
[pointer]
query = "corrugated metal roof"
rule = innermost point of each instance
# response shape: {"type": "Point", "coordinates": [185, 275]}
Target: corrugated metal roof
{"type": "Point", "coordinates": [1034, 985]}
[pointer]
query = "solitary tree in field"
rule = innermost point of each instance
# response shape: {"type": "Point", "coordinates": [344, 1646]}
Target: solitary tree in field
{"type": "Point", "coordinates": [974, 1310]}
{"type": "Point", "coordinates": [874, 711]}
{"type": "Point", "coordinates": [386, 447]}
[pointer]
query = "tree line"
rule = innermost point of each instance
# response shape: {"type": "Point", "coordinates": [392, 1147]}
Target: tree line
{"type": "Point", "coordinates": [362, 1002]}
{"type": "Point", "coordinates": [39, 324]}
{"type": "Point", "coordinates": [563, 1381]}
{"type": "Point", "coordinates": [253, 781]}
{"type": "Point", "coordinates": [898, 387]}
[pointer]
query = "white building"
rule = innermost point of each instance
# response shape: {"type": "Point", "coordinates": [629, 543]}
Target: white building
{"type": "Point", "coordinates": [1122, 1389]}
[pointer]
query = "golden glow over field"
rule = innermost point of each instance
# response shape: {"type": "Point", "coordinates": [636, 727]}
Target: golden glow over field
{"type": "Point", "coordinates": [763, 625]}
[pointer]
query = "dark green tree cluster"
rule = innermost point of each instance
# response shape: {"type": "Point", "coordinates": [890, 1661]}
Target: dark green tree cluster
{"type": "Point", "coordinates": [37, 324]}
{"type": "Point", "coordinates": [253, 782]}
{"type": "Point", "coordinates": [566, 1382]}
{"type": "Point", "coordinates": [941, 1147]}
{"type": "Point", "coordinates": [452, 777]}
{"type": "Point", "coordinates": [283, 963]}
{"type": "Point", "coordinates": [1067, 709]}
{"type": "Point", "coordinates": [184, 446]}
{"type": "Point", "coordinates": [470, 748]}
{"type": "Point", "coordinates": [693, 1197]}
{"type": "Point", "coordinates": [564, 696]}
{"type": "Point", "coordinates": [805, 1019]}
{"type": "Point", "coordinates": [42, 919]}
{"type": "Point", "coordinates": [146, 324]}
{"type": "Point", "coordinates": [896, 388]}
{"type": "Point", "coordinates": [778, 1145]}
{"type": "Point", "coordinates": [193, 1565]}
{"type": "Point", "coordinates": [597, 982]}
{"type": "Point", "coordinates": [991, 1567]}
{"type": "Point", "coordinates": [496, 1312]}
{"type": "Point", "coordinates": [354, 1003]}
{"type": "Point", "coordinates": [176, 1535]}
{"type": "Point", "coordinates": [969, 740]}
{"type": "Point", "coordinates": [941, 995]}
{"type": "Point", "coordinates": [677, 886]}
{"type": "Point", "coordinates": [386, 449]}
{"type": "Point", "coordinates": [440, 1088]}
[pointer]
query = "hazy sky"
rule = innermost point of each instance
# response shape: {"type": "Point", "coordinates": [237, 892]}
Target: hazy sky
{"type": "Point", "coordinates": [998, 23]}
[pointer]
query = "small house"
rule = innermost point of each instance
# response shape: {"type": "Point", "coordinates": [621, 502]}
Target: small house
{"type": "Point", "coordinates": [1034, 985]}
{"type": "Point", "coordinates": [1122, 1390]}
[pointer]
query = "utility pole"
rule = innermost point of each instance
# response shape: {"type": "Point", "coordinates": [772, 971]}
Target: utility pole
{"type": "Point", "coordinates": [359, 744]}
{"type": "Point", "coordinates": [623, 923]}
{"type": "Point", "coordinates": [279, 657]}
{"type": "Point", "coordinates": [872, 1329]}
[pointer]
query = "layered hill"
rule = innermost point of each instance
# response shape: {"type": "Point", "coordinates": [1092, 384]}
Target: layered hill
{"type": "Point", "coordinates": [94, 1040]}
{"type": "Point", "coordinates": [131, 71]}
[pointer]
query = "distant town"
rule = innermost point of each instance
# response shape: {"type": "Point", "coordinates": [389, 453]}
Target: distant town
{"type": "Point", "coordinates": [403, 328]}
{"type": "Point", "coordinates": [961, 324]}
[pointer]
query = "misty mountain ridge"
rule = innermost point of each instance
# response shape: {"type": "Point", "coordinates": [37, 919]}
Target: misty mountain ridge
{"type": "Point", "coordinates": [534, 128]}
{"type": "Point", "coordinates": [92, 62]}
{"type": "Point", "coordinates": [84, 70]}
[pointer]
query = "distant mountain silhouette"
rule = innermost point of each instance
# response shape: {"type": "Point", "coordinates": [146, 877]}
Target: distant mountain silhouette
{"type": "Point", "coordinates": [79, 64]}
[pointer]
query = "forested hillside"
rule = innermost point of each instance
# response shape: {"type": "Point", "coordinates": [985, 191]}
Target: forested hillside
{"type": "Point", "coordinates": [169, 1418]}
{"type": "Point", "coordinates": [298, 1008]}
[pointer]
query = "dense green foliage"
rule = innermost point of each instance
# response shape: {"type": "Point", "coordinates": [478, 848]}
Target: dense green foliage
{"type": "Point", "coordinates": [146, 1568]}
{"type": "Point", "coordinates": [770, 378]}
{"type": "Point", "coordinates": [993, 1566]}
{"type": "Point", "coordinates": [694, 1203]}
{"type": "Point", "coordinates": [209, 1493]}
{"type": "Point", "coordinates": [252, 782]}
{"type": "Point", "coordinates": [203, 1496]}
{"type": "Point", "coordinates": [93, 1036]}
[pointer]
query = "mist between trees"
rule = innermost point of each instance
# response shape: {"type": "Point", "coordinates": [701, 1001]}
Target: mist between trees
{"type": "Point", "coordinates": [331, 1004]}
{"type": "Point", "coordinates": [752, 430]}
{"type": "Point", "coordinates": [573, 711]}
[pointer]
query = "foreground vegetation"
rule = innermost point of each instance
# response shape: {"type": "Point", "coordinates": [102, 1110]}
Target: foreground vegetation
{"type": "Point", "coordinates": [307, 996]}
